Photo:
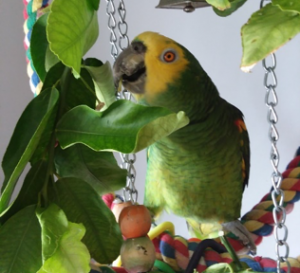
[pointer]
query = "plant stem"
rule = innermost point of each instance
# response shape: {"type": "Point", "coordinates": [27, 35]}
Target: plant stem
{"type": "Point", "coordinates": [232, 253]}
{"type": "Point", "coordinates": [89, 88]}
{"type": "Point", "coordinates": [64, 82]}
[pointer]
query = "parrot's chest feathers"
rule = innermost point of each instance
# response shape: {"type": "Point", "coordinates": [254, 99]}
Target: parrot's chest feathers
{"type": "Point", "coordinates": [183, 170]}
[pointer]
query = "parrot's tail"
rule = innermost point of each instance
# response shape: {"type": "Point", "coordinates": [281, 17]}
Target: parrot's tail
{"type": "Point", "coordinates": [259, 221]}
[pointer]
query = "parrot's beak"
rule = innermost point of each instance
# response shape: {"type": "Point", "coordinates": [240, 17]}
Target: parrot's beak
{"type": "Point", "coordinates": [129, 69]}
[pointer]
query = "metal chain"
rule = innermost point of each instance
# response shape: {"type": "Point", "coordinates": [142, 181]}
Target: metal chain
{"type": "Point", "coordinates": [122, 26]}
{"type": "Point", "coordinates": [110, 11]}
{"type": "Point", "coordinates": [129, 192]}
{"type": "Point", "coordinates": [123, 40]}
{"type": "Point", "coordinates": [279, 212]}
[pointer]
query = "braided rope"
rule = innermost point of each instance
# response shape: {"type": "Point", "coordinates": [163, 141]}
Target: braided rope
{"type": "Point", "coordinates": [176, 252]}
{"type": "Point", "coordinates": [30, 13]}
{"type": "Point", "coordinates": [259, 221]}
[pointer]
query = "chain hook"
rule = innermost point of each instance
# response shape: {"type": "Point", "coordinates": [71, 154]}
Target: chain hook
{"type": "Point", "coordinates": [279, 212]}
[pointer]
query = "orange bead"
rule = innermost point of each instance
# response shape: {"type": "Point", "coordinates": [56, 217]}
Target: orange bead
{"type": "Point", "coordinates": [135, 221]}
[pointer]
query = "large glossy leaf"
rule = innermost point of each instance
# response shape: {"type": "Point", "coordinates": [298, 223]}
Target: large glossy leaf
{"type": "Point", "coordinates": [75, 91]}
{"type": "Point", "coordinates": [79, 91]}
{"type": "Point", "coordinates": [83, 205]}
{"type": "Point", "coordinates": [51, 59]}
{"type": "Point", "coordinates": [99, 169]}
{"type": "Point", "coordinates": [41, 150]}
{"type": "Point", "coordinates": [54, 224]}
{"type": "Point", "coordinates": [266, 31]}
{"type": "Point", "coordinates": [219, 4]}
{"type": "Point", "coordinates": [31, 187]}
{"type": "Point", "coordinates": [94, 3]}
{"type": "Point", "coordinates": [235, 4]}
{"type": "Point", "coordinates": [53, 76]}
{"type": "Point", "coordinates": [39, 45]}
{"type": "Point", "coordinates": [25, 139]}
{"type": "Point", "coordinates": [52, 80]}
{"type": "Point", "coordinates": [72, 31]}
{"type": "Point", "coordinates": [287, 5]}
{"type": "Point", "coordinates": [63, 250]}
{"type": "Point", "coordinates": [104, 84]}
{"type": "Point", "coordinates": [125, 126]}
{"type": "Point", "coordinates": [20, 243]}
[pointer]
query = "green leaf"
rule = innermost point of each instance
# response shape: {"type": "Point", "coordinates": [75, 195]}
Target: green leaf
{"type": "Point", "coordinates": [28, 194]}
{"type": "Point", "coordinates": [99, 169]}
{"type": "Point", "coordinates": [53, 76]}
{"type": "Point", "coordinates": [125, 126]}
{"type": "Point", "coordinates": [219, 4]}
{"type": "Point", "coordinates": [52, 80]}
{"type": "Point", "coordinates": [92, 62]}
{"type": "Point", "coordinates": [80, 91]}
{"type": "Point", "coordinates": [63, 250]}
{"type": "Point", "coordinates": [266, 31]}
{"type": "Point", "coordinates": [287, 5]}
{"type": "Point", "coordinates": [39, 45]}
{"type": "Point", "coordinates": [20, 239]}
{"type": "Point", "coordinates": [219, 268]}
{"type": "Point", "coordinates": [83, 205]}
{"type": "Point", "coordinates": [51, 59]}
{"type": "Point", "coordinates": [72, 31]}
{"type": "Point", "coordinates": [25, 139]}
{"type": "Point", "coordinates": [228, 268]}
{"type": "Point", "coordinates": [104, 84]}
{"type": "Point", "coordinates": [235, 4]}
{"type": "Point", "coordinates": [40, 152]}
{"type": "Point", "coordinates": [94, 3]}
{"type": "Point", "coordinates": [54, 224]}
{"type": "Point", "coordinates": [76, 91]}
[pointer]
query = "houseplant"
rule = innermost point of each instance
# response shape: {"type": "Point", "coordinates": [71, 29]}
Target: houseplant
{"type": "Point", "coordinates": [47, 208]}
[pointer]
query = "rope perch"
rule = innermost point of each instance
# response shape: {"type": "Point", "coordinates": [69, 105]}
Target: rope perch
{"type": "Point", "coordinates": [174, 252]}
{"type": "Point", "coordinates": [30, 13]}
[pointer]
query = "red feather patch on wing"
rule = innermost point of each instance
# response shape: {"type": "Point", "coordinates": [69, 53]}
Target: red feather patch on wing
{"type": "Point", "coordinates": [244, 143]}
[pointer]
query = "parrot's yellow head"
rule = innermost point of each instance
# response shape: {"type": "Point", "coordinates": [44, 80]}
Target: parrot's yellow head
{"type": "Point", "coordinates": [150, 64]}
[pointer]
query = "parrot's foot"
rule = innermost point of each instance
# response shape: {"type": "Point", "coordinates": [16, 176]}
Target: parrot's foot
{"type": "Point", "coordinates": [239, 230]}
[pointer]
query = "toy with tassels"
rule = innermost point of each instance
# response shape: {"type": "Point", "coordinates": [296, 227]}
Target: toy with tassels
{"type": "Point", "coordinates": [176, 254]}
{"type": "Point", "coordinates": [137, 253]}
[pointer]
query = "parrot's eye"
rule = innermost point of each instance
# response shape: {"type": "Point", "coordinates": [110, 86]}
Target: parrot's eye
{"type": "Point", "coordinates": [169, 56]}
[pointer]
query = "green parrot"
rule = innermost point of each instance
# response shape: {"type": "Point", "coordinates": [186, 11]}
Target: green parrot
{"type": "Point", "coordinates": [200, 171]}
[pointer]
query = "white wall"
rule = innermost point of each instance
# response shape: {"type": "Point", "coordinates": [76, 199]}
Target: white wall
{"type": "Point", "coordinates": [216, 43]}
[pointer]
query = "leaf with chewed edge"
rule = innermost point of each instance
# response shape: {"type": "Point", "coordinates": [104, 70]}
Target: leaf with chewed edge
{"type": "Point", "coordinates": [63, 250]}
{"type": "Point", "coordinates": [124, 127]}
{"type": "Point", "coordinates": [266, 31]}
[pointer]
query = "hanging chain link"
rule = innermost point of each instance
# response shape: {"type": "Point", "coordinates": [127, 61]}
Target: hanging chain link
{"type": "Point", "coordinates": [122, 26]}
{"type": "Point", "coordinates": [279, 212]}
{"type": "Point", "coordinates": [129, 192]}
{"type": "Point", "coordinates": [123, 40]}
{"type": "Point", "coordinates": [110, 11]}
{"type": "Point", "coordinates": [118, 45]}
